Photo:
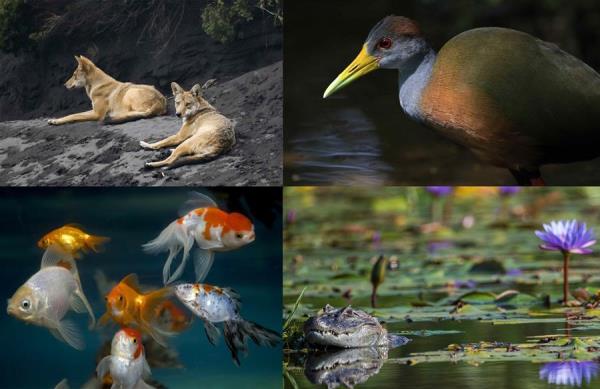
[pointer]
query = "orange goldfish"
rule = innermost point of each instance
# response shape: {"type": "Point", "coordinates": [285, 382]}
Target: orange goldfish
{"type": "Point", "coordinates": [128, 306]}
{"type": "Point", "coordinates": [172, 317]}
{"type": "Point", "coordinates": [211, 228]}
{"type": "Point", "coordinates": [72, 240]}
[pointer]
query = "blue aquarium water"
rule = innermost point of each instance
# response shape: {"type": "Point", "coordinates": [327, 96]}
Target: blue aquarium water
{"type": "Point", "coordinates": [33, 358]}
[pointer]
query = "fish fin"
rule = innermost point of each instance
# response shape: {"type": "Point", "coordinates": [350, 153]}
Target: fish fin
{"type": "Point", "coordinates": [64, 384]}
{"type": "Point", "coordinates": [234, 296]}
{"type": "Point", "coordinates": [80, 304]}
{"type": "Point", "coordinates": [173, 251]}
{"type": "Point", "coordinates": [66, 331]}
{"type": "Point", "coordinates": [103, 367]}
{"type": "Point", "coordinates": [131, 280]}
{"type": "Point", "coordinates": [203, 260]}
{"type": "Point", "coordinates": [103, 285]}
{"type": "Point", "coordinates": [104, 319]}
{"type": "Point", "coordinates": [95, 242]}
{"type": "Point", "coordinates": [197, 200]}
{"type": "Point", "coordinates": [212, 332]}
{"type": "Point", "coordinates": [148, 315]}
{"type": "Point", "coordinates": [55, 255]}
{"type": "Point", "coordinates": [187, 246]}
{"type": "Point", "coordinates": [172, 236]}
{"type": "Point", "coordinates": [146, 372]}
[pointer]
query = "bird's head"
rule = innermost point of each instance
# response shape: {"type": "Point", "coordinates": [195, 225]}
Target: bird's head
{"type": "Point", "coordinates": [393, 43]}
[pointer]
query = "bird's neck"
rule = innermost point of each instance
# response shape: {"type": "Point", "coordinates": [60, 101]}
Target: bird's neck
{"type": "Point", "coordinates": [413, 78]}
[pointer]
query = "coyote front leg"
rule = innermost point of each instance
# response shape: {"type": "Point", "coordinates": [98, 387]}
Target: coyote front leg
{"type": "Point", "coordinates": [77, 117]}
{"type": "Point", "coordinates": [172, 140]}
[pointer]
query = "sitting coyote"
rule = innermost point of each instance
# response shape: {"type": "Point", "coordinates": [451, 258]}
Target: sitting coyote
{"type": "Point", "coordinates": [205, 132]}
{"type": "Point", "coordinates": [119, 101]}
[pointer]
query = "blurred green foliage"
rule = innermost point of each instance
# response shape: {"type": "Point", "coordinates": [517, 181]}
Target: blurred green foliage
{"type": "Point", "coordinates": [220, 18]}
{"type": "Point", "coordinates": [15, 25]}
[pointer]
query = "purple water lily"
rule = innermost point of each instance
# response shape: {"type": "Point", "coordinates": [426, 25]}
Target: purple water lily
{"type": "Point", "coordinates": [439, 191]}
{"type": "Point", "coordinates": [509, 190]}
{"type": "Point", "coordinates": [568, 237]}
{"type": "Point", "coordinates": [571, 373]}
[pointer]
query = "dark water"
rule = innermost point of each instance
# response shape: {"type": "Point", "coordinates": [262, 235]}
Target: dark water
{"type": "Point", "coordinates": [507, 375]}
{"type": "Point", "coordinates": [33, 358]}
{"type": "Point", "coordinates": [360, 135]}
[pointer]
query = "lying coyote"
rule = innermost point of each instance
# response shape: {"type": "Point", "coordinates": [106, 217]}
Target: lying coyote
{"type": "Point", "coordinates": [205, 132]}
{"type": "Point", "coordinates": [119, 101]}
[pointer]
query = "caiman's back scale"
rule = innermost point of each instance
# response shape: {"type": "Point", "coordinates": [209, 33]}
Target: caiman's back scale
{"type": "Point", "coordinates": [517, 102]}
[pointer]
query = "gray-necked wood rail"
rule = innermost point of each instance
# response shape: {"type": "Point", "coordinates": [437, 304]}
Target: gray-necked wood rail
{"type": "Point", "coordinates": [516, 101]}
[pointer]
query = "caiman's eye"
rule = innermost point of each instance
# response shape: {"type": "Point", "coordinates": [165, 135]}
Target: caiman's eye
{"type": "Point", "coordinates": [385, 43]}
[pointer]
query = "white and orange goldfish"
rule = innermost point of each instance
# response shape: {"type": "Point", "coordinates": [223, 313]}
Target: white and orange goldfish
{"type": "Point", "coordinates": [222, 305]}
{"type": "Point", "coordinates": [46, 297]}
{"type": "Point", "coordinates": [211, 228]}
{"type": "Point", "coordinates": [126, 363]}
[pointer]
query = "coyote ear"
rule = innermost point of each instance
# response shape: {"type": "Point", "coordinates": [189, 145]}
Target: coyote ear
{"type": "Point", "coordinates": [77, 59]}
{"type": "Point", "coordinates": [176, 88]}
{"type": "Point", "coordinates": [197, 90]}
{"type": "Point", "coordinates": [85, 63]}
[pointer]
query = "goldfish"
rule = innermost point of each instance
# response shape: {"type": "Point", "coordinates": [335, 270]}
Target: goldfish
{"type": "Point", "coordinates": [72, 240]}
{"type": "Point", "coordinates": [126, 363]}
{"type": "Point", "coordinates": [210, 227]}
{"type": "Point", "coordinates": [222, 305]}
{"type": "Point", "coordinates": [128, 306]}
{"type": "Point", "coordinates": [171, 317]}
{"type": "Point", "coordinates": [45, 298]}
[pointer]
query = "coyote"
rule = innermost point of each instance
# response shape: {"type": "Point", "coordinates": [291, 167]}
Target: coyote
{"type": "Point", "coordinates": [119, 101]}
{"type": "Point", "coordinates": [205, 132]}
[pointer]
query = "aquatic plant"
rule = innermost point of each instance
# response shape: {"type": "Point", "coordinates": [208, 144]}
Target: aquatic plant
{"type": "Point", "coordinates": [509, 190]}
{"type": "Point", "coordinates": [568, 237]}
{"type": "Point", "coordinates": [571, 373]}
{"type": "Point", "coordinates": [439, 191]}
{"type": "Point", "coordinates": [377, 277]}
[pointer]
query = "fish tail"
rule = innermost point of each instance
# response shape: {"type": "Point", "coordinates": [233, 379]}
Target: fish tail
{"type": "Point", "coordinates": [237, 331]}
{"type": "Point", "coordinates": [172, 237]}
{"type": "Point", "coordinates": [149, 314]}
{"type": "Point", "coordinates": [95, 243]}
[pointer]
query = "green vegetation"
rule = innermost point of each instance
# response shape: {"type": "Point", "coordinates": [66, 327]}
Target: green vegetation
{"type": "Point", "coordinates": [220, 18]}
{"type": "Point", "coordinates": [15, 25]}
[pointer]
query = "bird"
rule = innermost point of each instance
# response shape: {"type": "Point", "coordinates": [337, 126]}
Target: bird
{"type": "Point", "coordinates": [517, 102]}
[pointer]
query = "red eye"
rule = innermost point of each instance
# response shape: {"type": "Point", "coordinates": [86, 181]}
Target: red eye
{"type": "Point", "coordinates": [385, 43]}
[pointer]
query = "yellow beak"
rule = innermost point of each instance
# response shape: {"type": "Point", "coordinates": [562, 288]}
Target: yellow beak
{"type": "Point", "coordinates": [364, 63]}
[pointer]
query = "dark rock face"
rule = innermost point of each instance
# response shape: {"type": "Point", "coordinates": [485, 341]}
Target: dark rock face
{"type": "Point", "coordinates": [129, 48]}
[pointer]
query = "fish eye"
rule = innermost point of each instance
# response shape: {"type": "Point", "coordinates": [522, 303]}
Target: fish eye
{"type": "Point", "coordinates": [25, 304]}
{"type": "Point", "coordinates": [121, 298]}
{"type": "Point", "coordinates": [134, 340]}
{"type": "Point", "coordinates": [105, 298]}
{"type": "Point", "coordinates": [239, 235]}
{"type": "Point", "coordinates": [385, 43]}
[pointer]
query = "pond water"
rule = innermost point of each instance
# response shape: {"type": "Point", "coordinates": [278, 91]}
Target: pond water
{"type": "Point", "coordinates": [447, 287]}
{"type": "Point", "coordinates": [32, 358]}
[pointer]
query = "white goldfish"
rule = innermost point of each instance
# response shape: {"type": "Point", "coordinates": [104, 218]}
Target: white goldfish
{"type": "Point", "coordinates": [211, 228]}
{"type": "Point", "coordinates": [222, 305]}
{"type": "Point", "coordinates": [126, 363]}
{"type": "Point", "coordinates": [46, 297]}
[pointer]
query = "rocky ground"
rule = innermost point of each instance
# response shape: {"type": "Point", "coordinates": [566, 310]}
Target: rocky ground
{"type": "Point", "coordinates": [35, 153]}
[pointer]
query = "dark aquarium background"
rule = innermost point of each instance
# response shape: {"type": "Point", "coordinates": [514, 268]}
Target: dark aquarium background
{"type": "Point", "coordinates": [32, 358]}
